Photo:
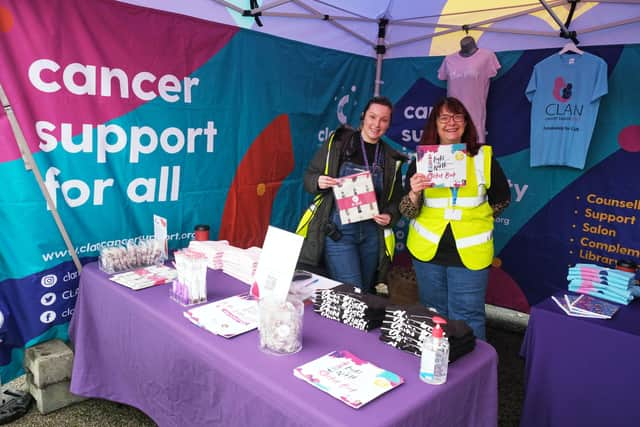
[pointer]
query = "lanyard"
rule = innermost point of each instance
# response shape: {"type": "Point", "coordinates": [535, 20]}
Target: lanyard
{"type": "Point", "coordinates": [454, 196]}
{"type": "Point", "coordinates": [364, 154]}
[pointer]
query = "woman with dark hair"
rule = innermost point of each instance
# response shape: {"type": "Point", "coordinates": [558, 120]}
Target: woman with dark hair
{"type": "Point", "coordinates": [357, 253]}
{"type": "Point", "coordinates": [451, 232]}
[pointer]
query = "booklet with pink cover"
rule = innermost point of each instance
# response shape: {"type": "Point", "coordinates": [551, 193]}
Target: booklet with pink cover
{"type": "Point", "coordinates": [355, 197]}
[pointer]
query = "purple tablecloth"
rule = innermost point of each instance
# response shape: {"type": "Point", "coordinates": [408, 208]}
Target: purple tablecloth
{"type": "Point", "coordinates": [137, 348]}
{"type": "Point", "coordinates": [581, 372]}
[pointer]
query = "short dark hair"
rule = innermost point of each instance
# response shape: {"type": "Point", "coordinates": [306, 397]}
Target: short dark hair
{"type": "Point", "coordinates": [382, 100]}
{"type": "Point", "coordinates": [430, 131]}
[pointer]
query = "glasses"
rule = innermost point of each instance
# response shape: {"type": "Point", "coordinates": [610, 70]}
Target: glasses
{"type": "Point", "coordinates": [458, 118]}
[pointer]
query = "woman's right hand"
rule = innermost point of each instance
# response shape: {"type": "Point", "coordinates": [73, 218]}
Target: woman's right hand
{"type": "Point", "coordinates": [418, 183]}
{"type": "Point", "coordinates": [325, 182]}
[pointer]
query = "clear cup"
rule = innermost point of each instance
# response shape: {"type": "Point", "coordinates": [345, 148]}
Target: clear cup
{"type": "Point", "coordinates": [280, 326]}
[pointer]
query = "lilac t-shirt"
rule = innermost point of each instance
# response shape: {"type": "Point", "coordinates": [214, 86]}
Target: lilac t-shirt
{"type": "Point", "coordinates": [468, 80]}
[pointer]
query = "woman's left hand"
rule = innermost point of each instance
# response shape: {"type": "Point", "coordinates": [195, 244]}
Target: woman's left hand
{"type": "Point", "coordinates": [382, 219]}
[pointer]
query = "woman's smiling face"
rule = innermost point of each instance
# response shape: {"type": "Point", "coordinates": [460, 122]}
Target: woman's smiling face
{"type": "Point", "coordinates": [451, 126]}
{"type": "Point", "coordinates": [376, 121]}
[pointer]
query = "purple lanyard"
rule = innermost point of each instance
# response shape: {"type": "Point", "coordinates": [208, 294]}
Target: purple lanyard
{"type": "Point", "coordinates": [364, 154]}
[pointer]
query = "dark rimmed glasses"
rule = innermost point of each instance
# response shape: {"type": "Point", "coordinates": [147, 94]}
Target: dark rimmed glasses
{"type": "Point", "coordinates": [444, 118]}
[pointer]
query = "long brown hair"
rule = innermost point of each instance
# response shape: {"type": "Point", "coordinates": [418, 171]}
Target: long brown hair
{"type": "Point", "coordinates": [430, 131]}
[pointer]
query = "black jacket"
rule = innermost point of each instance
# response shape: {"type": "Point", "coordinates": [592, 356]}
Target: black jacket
{"type": "Point", "coordinates": [344, 138]}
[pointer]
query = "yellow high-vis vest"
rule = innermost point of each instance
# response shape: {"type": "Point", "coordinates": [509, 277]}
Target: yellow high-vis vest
{"type": "Point", "coordinates": [471, 217]}
{"type": "Point", "coordinates": [389, 242]}
{"type": "Point", "coordinates": [388, 234]}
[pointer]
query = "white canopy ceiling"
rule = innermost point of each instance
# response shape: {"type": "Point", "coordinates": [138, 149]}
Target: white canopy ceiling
{"type": "Point", "coordinates": [421, 28]}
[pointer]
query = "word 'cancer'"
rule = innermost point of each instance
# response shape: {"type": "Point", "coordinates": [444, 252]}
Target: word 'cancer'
{"type": "Point", "coordinates": [83, 79]}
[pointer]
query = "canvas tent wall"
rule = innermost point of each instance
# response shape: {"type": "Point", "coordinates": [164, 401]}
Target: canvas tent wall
{"type": "Point", "coordinates": [422, 28]}
{"type": "Point", "coordinates": [404, 28]}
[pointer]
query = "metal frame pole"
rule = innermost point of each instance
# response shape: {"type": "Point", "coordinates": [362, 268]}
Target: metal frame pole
{"type": "Point", "coordinates": [30, 164]}
{"type": "Point", "coordinates": [381, 49]}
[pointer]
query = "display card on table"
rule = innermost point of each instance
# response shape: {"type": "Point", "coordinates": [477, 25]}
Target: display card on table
{"type": "Point", "coordinates": [160, 233]}
{"type": "Point", "coordinates": [348, 378]}
{"type": "Point", "coordinates": [277, 264]}
{"type": "Point", "coordinates": [355, 197]}
{"type": "Point", "coordinates": [443, 165]}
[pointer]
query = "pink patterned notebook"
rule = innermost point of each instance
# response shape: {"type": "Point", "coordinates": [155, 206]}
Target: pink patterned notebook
{"type": "Point", "coordinates": [355, 197]}
{"type": "Point", "coordinates": [348, 378]}
{"type": "Point", "coordinates": [591, 305]}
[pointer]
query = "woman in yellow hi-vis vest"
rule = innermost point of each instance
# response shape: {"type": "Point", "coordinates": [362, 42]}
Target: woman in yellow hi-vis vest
{"type": "Point", "coordinates": [451, 232]}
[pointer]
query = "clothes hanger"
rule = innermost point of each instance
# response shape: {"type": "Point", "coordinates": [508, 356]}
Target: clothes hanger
{"type": "Point", "coordinates": [570, 47]}
{"type": "Point", "coordinates": [468, 46]}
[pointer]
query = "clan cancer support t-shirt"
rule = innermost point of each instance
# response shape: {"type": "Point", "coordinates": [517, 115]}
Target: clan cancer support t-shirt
{"type": "Point", "coordinates": [565, 92]}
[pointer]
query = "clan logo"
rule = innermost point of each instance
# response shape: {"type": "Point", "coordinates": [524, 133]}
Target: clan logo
{"type": "Point", "coordinates": [562, 91]}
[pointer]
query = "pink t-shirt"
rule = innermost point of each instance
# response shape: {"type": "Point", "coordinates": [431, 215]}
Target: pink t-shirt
{"type": "Point", "coordinates": [468, 80]}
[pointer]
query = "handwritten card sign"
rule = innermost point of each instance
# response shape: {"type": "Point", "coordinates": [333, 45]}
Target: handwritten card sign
{"type": "Point", "coordinates": [443, 165]}
{"type": "Point", "coordinates": [355, 197]}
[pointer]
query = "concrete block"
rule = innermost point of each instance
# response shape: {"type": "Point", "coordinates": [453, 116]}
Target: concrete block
{"type": "Point", "coordinates": [49, 362]}
{"type": "Point", "coordinates": [53, 396]}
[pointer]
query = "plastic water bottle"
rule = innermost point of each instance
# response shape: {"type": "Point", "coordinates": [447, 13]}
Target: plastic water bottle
{"type": "Point", "coordinates": [434, 362]}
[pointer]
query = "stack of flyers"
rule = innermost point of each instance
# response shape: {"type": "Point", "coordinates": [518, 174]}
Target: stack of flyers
{"type": "Point", "coordinates": [227, 317]}
{"type": "Point", "coordinates": [586, 306]}
{"type": "Point", "coordinates": [145, 277]}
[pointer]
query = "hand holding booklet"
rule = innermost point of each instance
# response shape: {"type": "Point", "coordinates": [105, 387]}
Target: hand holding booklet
{"type": "Point", "coordinates": [443, 165]}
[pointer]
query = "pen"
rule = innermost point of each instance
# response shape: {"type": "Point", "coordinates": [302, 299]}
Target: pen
{"type": "Point", "coordinates": [312, 282]}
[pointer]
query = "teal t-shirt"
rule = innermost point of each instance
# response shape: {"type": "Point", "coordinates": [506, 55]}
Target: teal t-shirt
{"type": "Point", "coordinates": [565, 92]}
